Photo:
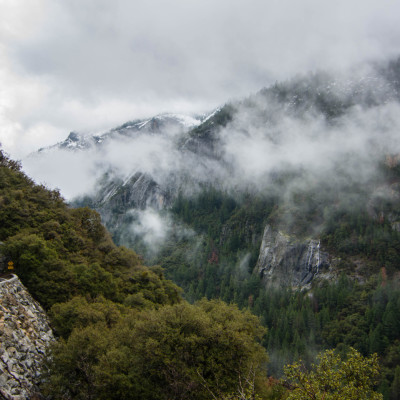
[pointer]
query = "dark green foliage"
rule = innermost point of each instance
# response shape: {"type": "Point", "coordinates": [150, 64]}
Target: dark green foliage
{"type": "Point", "coordinates": [60, 252]}
{"type": "Point", "coordinates": [333, 378]}
{"type": "Point", "coordinates": [124, 331]}
{"type": "Point", "coordinates": [395, 389]}
{"type": "Point", "coordinates": [341, 315]}
{"type": "Point", "coordinates": [353, 222]}
{"type": "Point", "coordinates": [222, 261]}
{"type": "Point", "coordinates": [338, 314]}
{"type": "Point", "coordinates": [176, 352]}
{"type": "Point", "coordinates": [79, 312]}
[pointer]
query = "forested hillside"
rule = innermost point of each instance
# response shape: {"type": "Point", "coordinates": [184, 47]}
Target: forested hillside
{"type": "Point", "coordinates": [61, 252]}
{"type": "Point", "coordinates": [124, 330]}
{"type": "Point", "coordinates": [316, 161]}
{"type": "Point", "coordinates": [359, 308]}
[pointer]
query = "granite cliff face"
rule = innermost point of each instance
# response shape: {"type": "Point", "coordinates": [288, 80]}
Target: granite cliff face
{"type": "Point", "coordinates": [138, 191]}
{"type": "Point", "coordinates": [117, 197]}
{"type": "Point", "coordinates": [288, 261]}
{"type": "Point", "coordinates": [25, 334]}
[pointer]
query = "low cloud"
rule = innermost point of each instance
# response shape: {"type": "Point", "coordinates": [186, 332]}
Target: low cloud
{"type": "Point", "coordinates": [313, 145]}
{"type": "Point", "coordinates": [154, 228]}
{"type": "Point", "coordinates": [73, 173]}
{"type": "Point", "coordinates": [265, 139]}
{"type": "Point", "coordinates": [151, 228]}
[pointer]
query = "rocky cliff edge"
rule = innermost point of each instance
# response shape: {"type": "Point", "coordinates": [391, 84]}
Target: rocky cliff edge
{"type": "Point", "coordinates": [25, 334]}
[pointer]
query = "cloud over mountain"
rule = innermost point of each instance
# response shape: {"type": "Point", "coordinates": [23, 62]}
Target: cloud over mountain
{"type": "Point", "coordinates": [69, 65]}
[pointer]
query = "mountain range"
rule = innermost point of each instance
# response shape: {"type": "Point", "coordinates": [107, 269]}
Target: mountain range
{"type": "Point", "coordinates": [296, 187]}
{"type": "Point", "coordinates": [310, 146]}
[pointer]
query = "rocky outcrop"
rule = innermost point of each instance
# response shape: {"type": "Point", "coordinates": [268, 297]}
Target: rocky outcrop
{"type": "Point", "coordinates": [25, 334]}
{"type": "Point", "coordinates": [142, 191]}
{"type": "Point", "coordinates": [284, 260]}
{"type": "Point", "coordinates": [137, 191]}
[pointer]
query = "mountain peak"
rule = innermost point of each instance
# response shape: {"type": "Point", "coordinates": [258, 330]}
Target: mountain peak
{"type": "Point", "coordinates": [163, 123]}
{"type": "Point", "coordinates": [74, 136]}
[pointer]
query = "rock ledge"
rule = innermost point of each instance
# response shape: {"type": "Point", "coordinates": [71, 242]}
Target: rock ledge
{"type": "Point", "coordinates": [25, 334]}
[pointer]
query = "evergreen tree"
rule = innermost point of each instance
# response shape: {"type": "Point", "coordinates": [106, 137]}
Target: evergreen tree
{"type": "Point", "coordinates": [395, 388]}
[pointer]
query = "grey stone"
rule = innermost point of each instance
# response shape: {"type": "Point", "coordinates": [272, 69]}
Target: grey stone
{"type": "Point", "coordinates": [25, 335]}
{"type": "Point", "coordinates": [12, 383]}
{"type": "Point", "coordinates": [3, 378]}
{"type": "Point", "coordinates": [286, 261]}
{"type": "Point", "coordinates": [4, 357]}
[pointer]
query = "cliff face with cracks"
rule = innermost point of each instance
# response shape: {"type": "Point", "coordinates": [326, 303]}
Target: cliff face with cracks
{"type": "Point", "coordinates": [25, 334]}
{"type": "Point", "coordinates": [286, 261]}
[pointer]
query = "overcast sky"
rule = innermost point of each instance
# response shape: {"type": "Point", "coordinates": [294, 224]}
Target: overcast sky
{"type": "Point", "coordinates": [89, 65]}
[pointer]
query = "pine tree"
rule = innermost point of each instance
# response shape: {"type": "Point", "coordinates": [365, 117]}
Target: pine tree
{"type": "Point", "coordinates": [395, 388]}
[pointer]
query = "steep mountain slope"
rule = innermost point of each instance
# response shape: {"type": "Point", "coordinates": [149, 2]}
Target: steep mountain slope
{"type": "Point", "coordinates": [124, 331]}
{"type": "Point", "coordinates": [61, 252]}
{"type": "Point", "coordinates": [319, 148]}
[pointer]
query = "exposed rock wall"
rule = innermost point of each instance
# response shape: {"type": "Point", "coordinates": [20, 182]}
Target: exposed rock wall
{"type": "Point", "coordinates": [284, 260]}
{"type": "Point", "coordinates": [25, 334]}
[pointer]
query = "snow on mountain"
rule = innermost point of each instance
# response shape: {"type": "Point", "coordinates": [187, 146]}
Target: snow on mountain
{"type": "Point", "coordinates": [160, 124]}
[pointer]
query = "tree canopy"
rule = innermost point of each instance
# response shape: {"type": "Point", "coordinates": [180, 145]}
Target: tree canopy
{"type": "Point", "coordinates": [180, 351]}
{"type": "Point", "coordinates": [335, 379]}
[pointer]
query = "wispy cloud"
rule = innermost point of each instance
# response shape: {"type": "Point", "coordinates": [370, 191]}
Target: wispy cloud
{"type": "Point", "coordinates": [265, 137]}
